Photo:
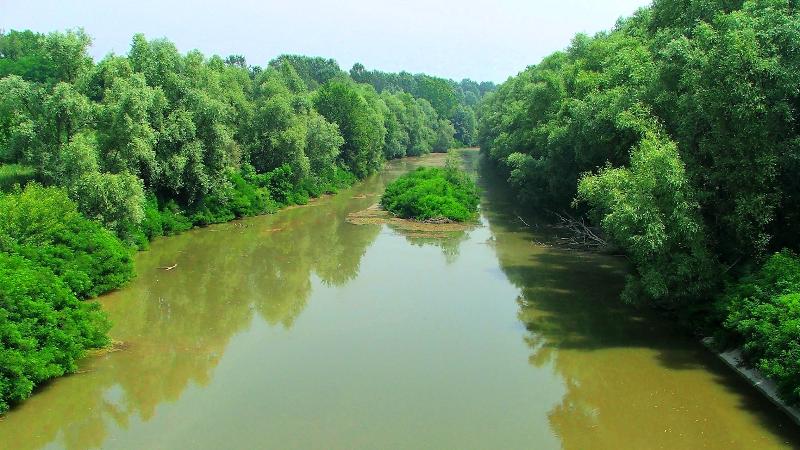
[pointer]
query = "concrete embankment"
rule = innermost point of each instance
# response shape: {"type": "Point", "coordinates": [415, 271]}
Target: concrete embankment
{"type": "Point", "coordinates": [733, 358]}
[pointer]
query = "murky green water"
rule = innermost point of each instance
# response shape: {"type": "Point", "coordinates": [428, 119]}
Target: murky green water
{"type": "Point", "coordinates": [299, 330]}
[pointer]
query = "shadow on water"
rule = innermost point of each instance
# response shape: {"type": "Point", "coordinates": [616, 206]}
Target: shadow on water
{"type": "Point", "coordinates": [632, 380]}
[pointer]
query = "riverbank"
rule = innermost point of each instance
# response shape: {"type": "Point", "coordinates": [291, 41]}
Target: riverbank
{"type": "Point", "coordinates": [734, 359]}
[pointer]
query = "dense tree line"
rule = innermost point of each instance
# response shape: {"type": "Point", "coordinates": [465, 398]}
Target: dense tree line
{"type": "Point", "coordinates": [454, 101]}
{"type": "Point", "coordinates": [98, 158]}
{"type": "Point", "coordinates": [677, 133]}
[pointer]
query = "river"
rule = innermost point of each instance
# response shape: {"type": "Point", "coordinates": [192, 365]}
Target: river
{"type": "Point", "coordinates": [300, 330]}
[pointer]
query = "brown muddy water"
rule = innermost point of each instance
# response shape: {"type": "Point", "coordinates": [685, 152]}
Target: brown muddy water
{"type": "Point", "coordinates": [300, 330]}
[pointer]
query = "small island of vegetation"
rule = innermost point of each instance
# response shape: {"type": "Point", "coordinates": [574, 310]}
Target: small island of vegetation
{"type": "Point", "coordinates": [433, 194]}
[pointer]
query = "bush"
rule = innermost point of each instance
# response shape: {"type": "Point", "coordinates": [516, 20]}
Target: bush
{"type": "Point", "coordinates": [13, 174]}
{"type": "Point", "coordinates": [648, 210]}
{"type": "Point", "coordinates": [44, 328]}
{"type": "Point", "coordinates": [173, 221]}
{"type": "Point", "coordinates": [762, 314]}
{"type": "Point", "coordinates": [335, 179]}
{"type": "Point", "coordinates": [44, 225]}
{"type": "Point", "coordinates": [432, 193]}
{"type": "Point", "coordinates": [281, 186]}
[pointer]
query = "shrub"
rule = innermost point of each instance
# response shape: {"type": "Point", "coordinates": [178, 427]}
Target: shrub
{"type": "Point", "coordinates": [649, 211]}
{"type": "Point", "coordinates": [281, 186]}
{"type": "Point", "coordinates": [13, 174]}
{"type": "Point", "coordinates": [432, 193]}
{"type": "Point", "coordinates": [762, 314]}
{"type": "Point", "coordinates": [44, 328]}
{"type": "Point", "coordinates": [173, 220]}
{"type": "Point", "coordinates": [44, 225]}
{"type": "Point", "coordinates": [151, 225]}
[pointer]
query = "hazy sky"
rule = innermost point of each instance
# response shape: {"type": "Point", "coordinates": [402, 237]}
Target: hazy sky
{"type": "Point", "coordinates": [488, 40]}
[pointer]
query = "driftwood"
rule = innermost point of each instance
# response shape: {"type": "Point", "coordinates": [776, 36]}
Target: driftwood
{"type": "Point", "coordinates": [169, 267]}
{"type": "Point", "coordinates": [525, 223]}
{"type": "Point", "coordinates": [581, 235]}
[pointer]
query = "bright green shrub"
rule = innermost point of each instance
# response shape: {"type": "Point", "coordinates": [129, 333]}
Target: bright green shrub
{"type": "Point", "coordinates": [247, 199]}
{"type": "Point", "coordinates": [44, 328]}
{"type": "Point", "coordinates": [762, 314]}
{"type": "Point", "coordinates": [432, 193]}
{"type": "Point", "coordinates": [44, 225]}
{"type": "Point", "coordinates": [281, 186]}
{"type": "Point", "coordinates": [151, 225]}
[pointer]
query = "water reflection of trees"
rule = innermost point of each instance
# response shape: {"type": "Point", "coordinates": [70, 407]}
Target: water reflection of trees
{"type": "Point", "coordinates": [449, 242]}
{"type": "Point", "coordinates": [177, 324]}
{"type": "Point", "coordinates": [631, 380]}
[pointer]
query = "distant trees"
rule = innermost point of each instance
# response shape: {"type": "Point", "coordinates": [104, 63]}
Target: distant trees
{"type": "Point", "coordinates": [173, 127]}
{"type": "Point", "coordinates": [452, 101]}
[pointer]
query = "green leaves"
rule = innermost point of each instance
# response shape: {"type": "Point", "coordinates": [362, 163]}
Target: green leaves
{"type": "Point", "coordinates": [44, 225]}
{"type": "Point", "coordinates": [705, 93]}
{"type": "Point", "coordinates": [649, 212]}
{"type": "Point", "coordinates": [762, 314]}
{"type": "Point", "coordinates": [354, 111]}
{"type": "Point", "coordinates": [432, 193]}
{"type": "Point", "coordinates": [44, 328]}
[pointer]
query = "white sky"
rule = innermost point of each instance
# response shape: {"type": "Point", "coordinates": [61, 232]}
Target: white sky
{"type": "Point", "coordinates": [489, 40]}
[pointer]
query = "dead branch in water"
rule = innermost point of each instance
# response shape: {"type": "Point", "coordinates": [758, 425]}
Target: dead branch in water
{"type": "Point", "coordinates": [169, 267]}
{"type": "Point", "coordinates": [580, 234]}
{"type": "Point", "coordinates": [526, 223]}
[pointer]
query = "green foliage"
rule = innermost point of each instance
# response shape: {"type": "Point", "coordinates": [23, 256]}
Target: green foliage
{"type": "Point", "coordinates": [44, 58]}
{"type": "Point", "coordinates": [44, 225]}
{"type": "Point", "coordinates": [464, 125]}
{"type": "Point", "coordinates": [432, 193]}
{"type": "Point", "coordinates": [648, 211]}
{"type": "Point", "coordinates": [720, 80]}
{"type": "Point", "coordinates": [449, 100]}
{"type": "Point", "coordinates": [15, 174]}
{"type": "Point", "coordinates": [314, 71]}
{"type": "Point", "coordinates": [44, 328]}
{"type": "Point", "coordinates": [362, 126]}
{"type": "Point", "coordinates": [172, 220]}
{"type": "Point", "coordinates": [115, 200]}
{"type": "Point", "coordinates": [705, 93]}
{"type": "Point", "coordinates": [444, 136]}
{"type": "Point", "coordinates": [762, 314]}
{"type": "Point", "coordinates": [240, 199]}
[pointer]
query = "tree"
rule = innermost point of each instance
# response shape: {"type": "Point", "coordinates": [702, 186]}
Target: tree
{"type": "Point", "coordinates": [649, 211]}
{"type": "Point", "coordinates": [362, 127]}
{"type": "Point", "coordinates": [115, 200]}
{"type": "Point", "coordinates": [464, 124]}
{"type": "Point", "coordinates": [444, 136]}
{"type": "Point", "coordinates": [18, 113]}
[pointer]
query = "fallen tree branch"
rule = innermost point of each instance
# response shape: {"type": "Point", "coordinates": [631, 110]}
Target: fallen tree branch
{"type": "Point", "coordinates": [523, 221]}
{"type": "Point", "coordinates": [580, 233]}
{"type": "Point", "coordinates": [169, 267]}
